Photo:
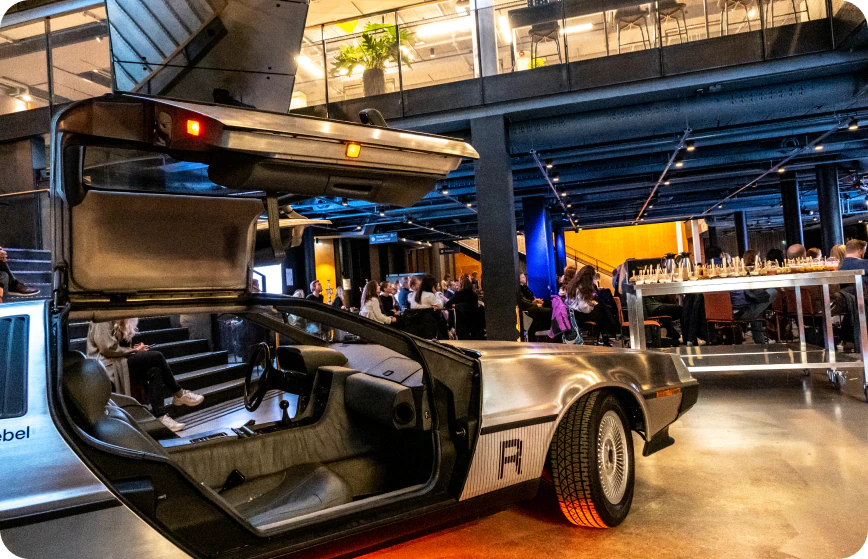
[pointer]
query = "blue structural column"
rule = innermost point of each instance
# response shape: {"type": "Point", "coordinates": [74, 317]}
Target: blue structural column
{"type": "Point", "coordinates": [560, 249]}
{"type": "Point", "coordinates": [498, 246]}
{"type": "Point", "coordinates": [541, 275]}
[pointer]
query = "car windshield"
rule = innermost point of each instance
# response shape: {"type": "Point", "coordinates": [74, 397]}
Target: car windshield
{"type": "Point", "coordinates": [130, 170]}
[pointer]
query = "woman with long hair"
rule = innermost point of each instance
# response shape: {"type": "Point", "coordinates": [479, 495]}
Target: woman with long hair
{"type": "Point", "coordinates": [111, 343]}
{"type": "Point", "coordinates": [371, 304]}
{"type": "Point", "coordinates": [338, 302]}
{"type": "Point", "coordinates": [424, 297]}
{"type": "Point", "coordinates": [580, 300]}
{"type": "Point", "coordinates": [387, 299]}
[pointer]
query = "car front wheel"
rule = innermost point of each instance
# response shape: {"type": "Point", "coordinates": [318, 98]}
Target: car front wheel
{"type": "Point", "coordinates": [591, 461]}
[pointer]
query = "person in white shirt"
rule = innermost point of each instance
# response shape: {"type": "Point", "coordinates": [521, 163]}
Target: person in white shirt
{"type": "Point", "coordinates": [371, 304]}
{"type": "Point", "coordinates": [424, 297]}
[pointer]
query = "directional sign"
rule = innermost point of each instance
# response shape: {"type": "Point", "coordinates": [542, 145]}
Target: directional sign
{"type": "Point", "coordinates": [383, 238]}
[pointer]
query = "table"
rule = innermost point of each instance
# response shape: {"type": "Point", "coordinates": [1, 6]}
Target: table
{"type": "Point", "coordinates": [758, 357]}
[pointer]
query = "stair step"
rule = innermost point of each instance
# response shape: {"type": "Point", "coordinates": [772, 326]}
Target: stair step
{"type": "Point", "coordinates": [30, 278]}
{"type": "Point", "coordinates": [154, 323]}
{"type": "Point", "coordinates": [214, 395]}
{"type": "Point", "coordinates": [18, 266]}
{"type": "Point", "coordinates": [189, 363]}
{"type": "Point", "coordinates": [182, 348]}
{"type": "Point", "coordinates": [79, 344]}
{"type": "Point", "coordinates": [203, 378]}
{"type": "Point", "coordinates": [44, 293]}
{"type": "Point", "coordinates": [28, 254]}
{"type": "Point", "coordinates": [77, 330]}
{"type": "Point", "coordinates": [165, 335]}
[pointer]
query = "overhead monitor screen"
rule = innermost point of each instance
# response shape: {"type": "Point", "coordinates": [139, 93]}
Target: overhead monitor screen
{"type": "Point", "coordinates": [230, 52]}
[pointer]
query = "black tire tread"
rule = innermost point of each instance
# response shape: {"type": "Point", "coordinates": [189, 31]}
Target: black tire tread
{"type": "Point", "coordinates": [570, 455]}
{"type": "Point", "coordinates": [573, 462]}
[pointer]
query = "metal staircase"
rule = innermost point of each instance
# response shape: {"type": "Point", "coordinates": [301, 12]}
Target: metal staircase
{"type": "Point", "coordinates": [155, 41]}
{"type": "Point", "coordinates": [33, 268]}
{"type": "Point", "coordinates": [195, 366]}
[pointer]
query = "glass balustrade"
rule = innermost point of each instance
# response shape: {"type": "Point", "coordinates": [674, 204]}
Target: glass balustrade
{"type": "Point", "coordinates": [425, 44]}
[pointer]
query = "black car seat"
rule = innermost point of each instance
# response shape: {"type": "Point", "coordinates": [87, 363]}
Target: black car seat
{"type": "Point", "coordinates": [137, 411]}
{"type": "Point", "coordinates": [87, 392]}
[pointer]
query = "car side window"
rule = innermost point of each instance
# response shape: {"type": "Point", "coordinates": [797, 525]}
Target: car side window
{"type": "Point", "coordinates": [13, 366]}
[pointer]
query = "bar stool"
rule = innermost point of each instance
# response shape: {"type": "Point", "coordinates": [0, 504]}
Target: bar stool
{"type": "Point", "coordinates": [669, 10]}
{"type": "Point", "coordinates": [726, 6]}
{"type": "Point", "coordinates": [541, 33]}
{"type": "Point", "coordinates": [631, 18]}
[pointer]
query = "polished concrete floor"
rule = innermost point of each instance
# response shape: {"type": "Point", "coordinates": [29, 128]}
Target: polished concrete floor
{"type": "Point", "coordinates": [767, 465]}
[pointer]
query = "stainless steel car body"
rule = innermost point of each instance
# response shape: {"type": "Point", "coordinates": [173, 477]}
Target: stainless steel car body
{"type": "Point", "coordinates": [527, 388]}
{"type": "Point", "coordinates": [51, 505]}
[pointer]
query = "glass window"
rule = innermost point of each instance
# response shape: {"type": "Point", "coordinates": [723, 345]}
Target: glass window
{"type": "Point", "coordinates": [437, 44]}
{"type": "Point", "coordinates": [13, 366]}
{"type": "Point", "coordinates": [80, 59]}
{"type": "Point", "coordinates": [310, 78]}
{"type": "Point", "coordinates": [23, 68]}
{"type": "Point", "coordinates": [789, 12]}
{"type": "Point", "coordinates": [361, 57]}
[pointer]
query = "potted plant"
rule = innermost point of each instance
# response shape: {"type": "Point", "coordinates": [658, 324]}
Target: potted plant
{"type": "Point", "coordinates": [377, 46]}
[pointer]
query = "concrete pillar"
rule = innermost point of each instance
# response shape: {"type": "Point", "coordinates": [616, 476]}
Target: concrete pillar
{"type": "Point", "coordinates": [485, 39]}
{"type": "Point", "coordinates": [497, 239]}
{"type": "Point", "coordinates": [541, 274]}
{"type": "Point", "coordinates": [829, 200]}
{"type": "Point", "coordinates": [741, 232]}
{"type": "Point", "coordinates": [560, 249]}
{"type": "Point", "coordinates": [792, 207]}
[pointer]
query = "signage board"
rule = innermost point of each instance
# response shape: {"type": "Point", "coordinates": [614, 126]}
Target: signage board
{"type": "Point", "coordinates": [383, 238]}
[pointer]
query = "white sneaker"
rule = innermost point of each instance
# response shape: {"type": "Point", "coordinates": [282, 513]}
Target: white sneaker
{"type": "Point", "coordinates": [188, 398]}
{"type": "Point", "coordinates": [173, 425]}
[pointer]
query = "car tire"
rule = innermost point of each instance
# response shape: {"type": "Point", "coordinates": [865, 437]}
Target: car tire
{"type": "Point", "coordinates": [592, 464]}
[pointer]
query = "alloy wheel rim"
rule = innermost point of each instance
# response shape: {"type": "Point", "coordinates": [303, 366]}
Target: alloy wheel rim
{"type": "Point", "coordinates": [612, 459]}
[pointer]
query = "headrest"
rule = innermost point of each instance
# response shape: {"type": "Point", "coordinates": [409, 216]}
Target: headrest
{"type": "Point", "coordinates": [308, 358]}
{"type": "Point", "coordinates": [87, 387]}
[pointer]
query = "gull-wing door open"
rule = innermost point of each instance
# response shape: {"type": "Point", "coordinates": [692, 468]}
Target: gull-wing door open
{"type": "Point", "coordinates": [161, 199]}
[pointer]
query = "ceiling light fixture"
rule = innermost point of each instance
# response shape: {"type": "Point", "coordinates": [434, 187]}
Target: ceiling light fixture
{"type": "Point", "coordinates": [556, 177]}
{"type": "Point", "coordinates": [690, 145]}
{"type": "Point", "coordinates": [679, 162]}
{"type": "Point", "coordinates": [853, 124]}
{"type": "Point", "coordinates": [445, 192]}
{"type": "Point", "coordinates": [818, 147]}
{"type": "Point", "coordinates": [580, 28]}
{"type": "Point", "coordinates": [781, 170]}
{"type": "Point", "coordinates": [666, 183]}
{"type": "Point", "coordinates": [549, 163]}
{"type": "Point", "coordinates": [310, 67]}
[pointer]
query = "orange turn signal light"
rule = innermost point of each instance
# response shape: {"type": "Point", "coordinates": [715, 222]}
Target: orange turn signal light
{"type": "Point", "coordinates": [668, 392]}
{"type": "Point", "coordinates": [354, 150]}
{"type": "Point", "coordinates": [194, 127]}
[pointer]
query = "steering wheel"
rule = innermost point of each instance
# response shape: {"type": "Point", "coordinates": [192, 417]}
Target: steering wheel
{"type": "Point", "coordinates": [258, 372]}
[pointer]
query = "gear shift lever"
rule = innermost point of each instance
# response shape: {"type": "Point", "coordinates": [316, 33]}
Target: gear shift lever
{"type": "Point", "coordinates": [284, 421]}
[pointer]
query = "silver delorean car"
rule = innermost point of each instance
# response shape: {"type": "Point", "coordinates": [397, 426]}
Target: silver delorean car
{"type": "Point", "coordinates": [347, 434]}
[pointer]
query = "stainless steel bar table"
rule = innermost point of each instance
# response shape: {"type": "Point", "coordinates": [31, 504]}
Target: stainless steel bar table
{"type": "Point", "coordinates": [758, 357]}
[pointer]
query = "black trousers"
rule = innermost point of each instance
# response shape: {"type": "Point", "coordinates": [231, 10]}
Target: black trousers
{"type": "Point", "coordinates": [150, 369]}
{"type": "Point", "coordinates": [602, 316]}
{"type": "Point", "coordinates": [7, 278]}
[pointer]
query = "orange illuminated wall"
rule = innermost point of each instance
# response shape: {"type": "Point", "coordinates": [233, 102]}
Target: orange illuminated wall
{"type": "Point", "coordinates": [324, 252]}
{"type": "Point", "coordinates": [615, 245]}
{"type": "Point", "coordinates": [466, 265]}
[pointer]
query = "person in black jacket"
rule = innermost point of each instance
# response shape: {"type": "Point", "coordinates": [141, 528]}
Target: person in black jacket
{"type": "Point", "coordinates": [465, 294]}
{"type": "Point", "coordinates": [387, 300]}
{"type": "Point", "coordinates": [338, 301]}
{"type": "Point", "coordinates": [526, 292]}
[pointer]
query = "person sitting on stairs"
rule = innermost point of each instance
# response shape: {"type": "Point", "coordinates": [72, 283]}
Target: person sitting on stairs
{"type": "Point", "coordinates": [111, 344]}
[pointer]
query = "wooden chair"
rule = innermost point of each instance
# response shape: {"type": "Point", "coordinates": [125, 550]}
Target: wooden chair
{"type": "Point", "coordinates": [652, 327]}
{"type": "Point", "coordinates": [718, 312]}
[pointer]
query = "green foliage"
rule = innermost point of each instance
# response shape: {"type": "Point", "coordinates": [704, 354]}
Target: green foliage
{"type": "Point", "coordinates": [377, 45]}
